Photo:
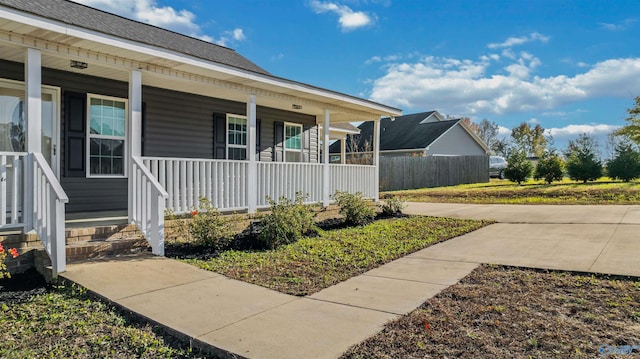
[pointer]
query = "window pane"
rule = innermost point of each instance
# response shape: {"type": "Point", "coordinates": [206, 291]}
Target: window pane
{"type": "Point", "coordinates": [237, 154]}
{"type": "Point", "coordinates": [237, 131]}
{"type": "Point", "coordinates": [293, 156]}
{"type": "Point", "coordinates": [107, 117]}
{"type": "Point", "coordinates": [12, 120]}
{"type": "Point", "coordinates": [107, 157]}
{"type": "Point", "coordinates": [293, 137]}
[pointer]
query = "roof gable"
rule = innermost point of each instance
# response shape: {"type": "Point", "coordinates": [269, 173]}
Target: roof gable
{"type": "Point", "coordinates": [97, 20]}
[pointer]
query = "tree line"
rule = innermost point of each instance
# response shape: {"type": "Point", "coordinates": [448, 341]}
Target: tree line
{"type": "Point", "coordinates": [580, 160]}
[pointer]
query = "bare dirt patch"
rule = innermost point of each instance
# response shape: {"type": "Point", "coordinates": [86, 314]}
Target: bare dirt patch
{"type": "Point", "coordinates": [506, 312]}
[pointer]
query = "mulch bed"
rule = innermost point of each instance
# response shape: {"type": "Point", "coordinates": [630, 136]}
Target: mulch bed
{"type": "Point", "coordinates": [506, 312]}
{"type": "Point", "coordinates": [21, 287]}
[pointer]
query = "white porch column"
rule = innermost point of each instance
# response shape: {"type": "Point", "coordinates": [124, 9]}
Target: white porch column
{"type": "Point", "coordinates": [33, 114]}
{"type": "Point", "coordinates": [252, 170]}
{"type": "Point", "coordinates": [326, 184]}
{"type": "Point", "coordinates": [343, 150]}
{"type": "Point", "coordinates": [135, 132]}
{"type": "Point", "coordinates": [376, 157]}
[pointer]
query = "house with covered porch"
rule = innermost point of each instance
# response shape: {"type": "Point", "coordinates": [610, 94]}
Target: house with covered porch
{"type": "Point", "coordinates": [101, 114]}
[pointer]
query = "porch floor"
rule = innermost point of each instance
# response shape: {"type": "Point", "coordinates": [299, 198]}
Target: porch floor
{"type": "Point", "coordinates": [97, 218]}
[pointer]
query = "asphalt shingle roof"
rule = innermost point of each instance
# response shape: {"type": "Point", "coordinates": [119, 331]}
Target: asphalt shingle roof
{"type": "Point", "coordinates": [405, 132]}
{"type": "Point", "coordinates": [106, 23]}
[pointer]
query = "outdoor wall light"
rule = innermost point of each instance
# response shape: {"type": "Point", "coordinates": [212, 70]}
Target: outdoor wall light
{"type": "Point", "coordinates": [79, 64]}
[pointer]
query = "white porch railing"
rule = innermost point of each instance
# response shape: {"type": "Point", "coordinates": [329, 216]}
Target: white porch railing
{"type": "Point", "coordinates": [148, 205]}
{"type": "Point", "coordinates": [49, 200]}
{"type": "Point", "coordinates": [11, 181]}
{"type": "Point", "coordinates": [352, 179]}
{"type": "Point", "coordinates": [225, 183]}
{"type": "Point", "coordinates": [276, 179]}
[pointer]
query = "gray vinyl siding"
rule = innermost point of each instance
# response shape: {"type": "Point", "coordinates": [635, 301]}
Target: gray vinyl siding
{"type": "Point", "coordinates": [179, 124]}
{"type": "Point", "coordinates": [456, 141]}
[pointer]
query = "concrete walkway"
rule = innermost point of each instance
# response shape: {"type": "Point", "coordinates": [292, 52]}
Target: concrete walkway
{"type": "Point", "coordinates": [255, 322]}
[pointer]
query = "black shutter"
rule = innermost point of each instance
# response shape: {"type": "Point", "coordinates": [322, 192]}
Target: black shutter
{"type": "Point", "coordinates": [306, 144]}
{"type": "Point", "coordinates": [75, 110]}
{"type": "Point", "coordinates": [278, 141]}
{"type": "Point", "coordinates": [258, 134]}
{"type": "Point", "coordinates": [219, 136]}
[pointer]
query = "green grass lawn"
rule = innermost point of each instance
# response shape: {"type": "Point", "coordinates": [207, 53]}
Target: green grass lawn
{"type": "Point", "coordinates": [67, 323]}
{"type": "Point", "coordinates": [603, 191]}
{"type": "Point", "coordinates": [312, 264]}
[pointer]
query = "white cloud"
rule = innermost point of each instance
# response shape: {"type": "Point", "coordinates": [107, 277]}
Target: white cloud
{"type": "Point", "coordinates": [148, 11]}
{"type": "Point", "coordinates": [277, 57]}
{"type": "Point", "coordinates": [573, 131]}
{"type": "Point", "coordinates": [372, 60]}
{"type": "Point", "coordinates": [534, 121]}
{"type": "Point", "coordinates": [515, 41]}
{"type": "Point", "coordinates": [623, 25]}
{"type": "Point", "coordinates": [348, 19]}
{"type": "Point", "coordinates": [467, 86]}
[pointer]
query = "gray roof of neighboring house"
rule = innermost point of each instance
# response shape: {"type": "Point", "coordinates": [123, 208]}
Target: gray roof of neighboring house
{"type": "Point", "coordinates": [404, 132]}
{"type": "Point", "coordinates": [107, 23]}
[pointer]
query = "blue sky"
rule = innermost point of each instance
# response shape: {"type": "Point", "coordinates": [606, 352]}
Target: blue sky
{"type": "Point", "coordinates": [571, 66]}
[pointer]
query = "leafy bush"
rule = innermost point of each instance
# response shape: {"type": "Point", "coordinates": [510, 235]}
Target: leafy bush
{"type": "Point", "coordinates": [209, 227]}
{"type": "Point", "coordinates": [287, 223]}
{"type": "Point", "coordinates": [582, 159]}
{"type": "Point", "coordinates": [354, 208]}
{"type": "Point", "coordinates": [518, 167]}
{"type": "Point", "coordinates": [392, 206]}
{"type": "Point", "coordinates": [625, 165]}
{"type": "Point", "coordinates": [550, 167]}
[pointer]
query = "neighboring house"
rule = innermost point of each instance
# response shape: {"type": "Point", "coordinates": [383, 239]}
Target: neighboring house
{"type": "Point", "coordinates": [101, 113]}
{"type": "Point", "coordinates": [420, 134]}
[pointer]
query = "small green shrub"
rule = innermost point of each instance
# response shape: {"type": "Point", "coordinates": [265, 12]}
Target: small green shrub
{"type": "Point", "coordinates": [354, 208]}
{"type": "Point", "coordinates": [625, 165]}
{"type": "Point", "coordinates": [518, 167]}
{"type": "Point", "coordinates": [392, 206]}
{"type": "Point", "coordinates": [550, 167]}
{"type": "Point", "coordinates": [209, 227]}
{"type": "Point", "coordinates": [287, 223]}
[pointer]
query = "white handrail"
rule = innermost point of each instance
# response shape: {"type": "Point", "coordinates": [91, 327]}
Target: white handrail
{"type": "Point", "coordinates": [49, 200]}
{"type": "Point", "coordinates": [148, 205]}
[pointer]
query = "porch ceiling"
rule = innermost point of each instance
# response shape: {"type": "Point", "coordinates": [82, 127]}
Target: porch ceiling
{"type": "Point", "coordinates": [113, 58]}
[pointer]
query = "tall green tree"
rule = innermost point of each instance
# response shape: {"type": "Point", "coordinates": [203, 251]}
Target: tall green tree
{"type": "Point", "coordinates": [550, 167]}
{"type": "Point", "coordinates": [583, 163]}
{"type": "Point", "coordinates": [632, 129]}
{"type": "Point", "coordinates": [518, 167]}
{"type": "Point", "coordinates": [532, 140]}
{"type": "Point", "coordinates": [625, 165]}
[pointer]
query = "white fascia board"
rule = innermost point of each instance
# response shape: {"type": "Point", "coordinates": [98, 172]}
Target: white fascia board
{"type": "Point", "coordinates": [91, 35]}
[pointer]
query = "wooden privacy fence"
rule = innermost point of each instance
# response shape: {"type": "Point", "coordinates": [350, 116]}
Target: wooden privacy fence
{"type": "Point", "coordinates": [397, 173]}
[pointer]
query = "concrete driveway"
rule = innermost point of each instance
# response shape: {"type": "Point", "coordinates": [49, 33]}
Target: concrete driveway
{"type": "Point", "coordinates": [601, 239]}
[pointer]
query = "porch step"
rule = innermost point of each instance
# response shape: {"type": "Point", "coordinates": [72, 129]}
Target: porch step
{"type": "Point", "coordinates": [97, 242]}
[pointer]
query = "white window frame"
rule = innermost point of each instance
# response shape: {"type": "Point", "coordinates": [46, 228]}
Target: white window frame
{"type": "Point", "coordinates": [284, 138]}
{"type": "Point", "coordinates": [245, 147]}
{"type": "Point", "coordinates": [125, 150]}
